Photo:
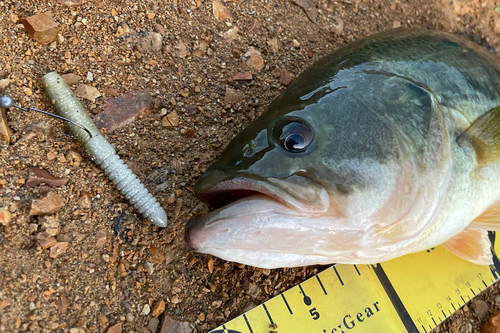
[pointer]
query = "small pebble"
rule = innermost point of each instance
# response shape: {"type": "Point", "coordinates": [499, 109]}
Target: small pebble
{"type": "Point", "coordinates": [47, 205]}
{"type": "Point", "coordinates": [45, 241]}
{"type": "Point", "coordinates": [146, 309]}
{"type": "Point", "coordinates": [41, 27]}
{"type": "Point", "coordinates": [38, 176]}
{"type": "Point", "coordinates": [4, 83]}
{"type": "Point", "coordinates": [481, 308]}
{"type": "Point", "coordinates": [146, 41]}
{"type": "Point", "coordinates": [255, 59]}
{"type": "Point", "coordinates": [158, 309]}
{"type": "Point", "coordinates": [170, 324]}
{"type": "Point", "coordinates": [492, 325]}
{"type": "Point", "coordinates": [71, 78]}
{"type": "Point", "coordinates": [5, 131]}
{"type": "Point", "coordinates": [153, 324]}
{"type": "Point", "coordinates": [243, 76]}
{"type": "Point", "coordinates": [5, 216]}
{"type": "Point", "coordinates": [115, 328]}
{"type": "Point", "coordinates": [88, 92]}
{"type": "Point", "coordinates": [58, 249]}
{"type": "Point", "coordinates": [233, 96]}
{"type": "Point", "coordinates": [171, 120]}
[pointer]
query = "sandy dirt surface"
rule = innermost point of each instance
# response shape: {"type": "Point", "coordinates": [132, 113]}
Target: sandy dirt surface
{"type": "Point", "coordinates": [117, 268]}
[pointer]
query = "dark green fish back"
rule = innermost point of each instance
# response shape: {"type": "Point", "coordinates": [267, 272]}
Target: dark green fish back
{"type": "Point", "coordinates": [372, 100]}
{"type": "Point", "coordinates": [428, 58]}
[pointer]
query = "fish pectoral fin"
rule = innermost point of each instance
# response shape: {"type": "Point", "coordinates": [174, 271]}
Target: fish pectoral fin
{"type": "Point", "coordinates": [472, 245]}
{"type": "Point", "coordinates": [488, 220]}
{"type": "Point", "coordinates": [484, 135]}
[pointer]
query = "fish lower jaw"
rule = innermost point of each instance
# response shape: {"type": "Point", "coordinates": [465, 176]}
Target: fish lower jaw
{"type": "Point", "coordinates": [269, 260]}
{"type": "Point", "coordinates": [272, 260]}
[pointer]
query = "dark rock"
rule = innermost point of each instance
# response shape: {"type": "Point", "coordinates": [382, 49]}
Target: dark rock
{"type": "Point", "coordinates": [153, 324]}
{"type": "Point", "coordinates": [246, 76]}
{"type": "Point", "coordinates": [191, 109]}
{"type": "Point", "coordinates": [172, 325]}
{"type": "Point", "coordinates": [124, 109]}
{"type": "Point", "coordinates": [38, 176]}
{"type": "Point", "coordinates": [481, 308]}
{"type": "Point", "coordinates": [285, 77]}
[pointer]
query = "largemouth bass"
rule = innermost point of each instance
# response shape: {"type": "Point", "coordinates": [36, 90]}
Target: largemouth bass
{"type": "Point", "coordinates": [387, 146]}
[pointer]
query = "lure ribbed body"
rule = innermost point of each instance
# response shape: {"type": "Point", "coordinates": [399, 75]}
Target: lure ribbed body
{"type": "Point", "coordinates": [101, 151]}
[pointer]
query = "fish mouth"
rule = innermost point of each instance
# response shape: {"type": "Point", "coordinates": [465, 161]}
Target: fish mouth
{"type": "Point", "coordinates": [242, 198]}
{"type": "Point", "coordinates": [296, 191]}
{"type": "Point", "coordinates": [231, 190]}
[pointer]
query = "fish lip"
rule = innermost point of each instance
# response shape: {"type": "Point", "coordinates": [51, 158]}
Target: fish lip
{"type": "Point", "coordinates": [190, 228]}
{"type": "Point", "coordinates": [233, 189]}
{"type": "Point", "coordinates": [228, 189]}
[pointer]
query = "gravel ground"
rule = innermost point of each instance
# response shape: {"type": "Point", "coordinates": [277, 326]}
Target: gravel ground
{"type": "Point", "coordinates": [117, 268]}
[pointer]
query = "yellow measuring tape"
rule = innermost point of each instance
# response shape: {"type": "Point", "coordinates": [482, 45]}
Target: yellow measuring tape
{"type": "Point", "coordinates": [414, 293]}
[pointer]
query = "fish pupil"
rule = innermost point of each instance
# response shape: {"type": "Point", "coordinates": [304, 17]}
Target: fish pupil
{"type": "Point", "coordinates": [295, 142]}
{"type": "Point", "coordinates": [293, 134]}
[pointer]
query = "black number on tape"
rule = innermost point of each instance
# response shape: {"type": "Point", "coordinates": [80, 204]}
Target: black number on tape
{"type": "Point", "coordinates": [314, 313]}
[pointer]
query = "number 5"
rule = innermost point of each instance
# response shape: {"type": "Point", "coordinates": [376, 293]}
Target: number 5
{"type": "Point", "coordinates": [314, 313]}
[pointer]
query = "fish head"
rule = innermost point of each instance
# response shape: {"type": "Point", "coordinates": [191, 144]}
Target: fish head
{"type": "Point", "coordinates": [322, 176]}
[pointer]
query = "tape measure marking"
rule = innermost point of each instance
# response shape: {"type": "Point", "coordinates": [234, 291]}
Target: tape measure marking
{"type": "Point", "coordinates": [286, 303]}
{"type": "Point", "coordinates": [403, 295]}
{"type": "Point", "coordinates": [248, 324]}
{"type": "Point", "coordinates": [268, 315]}
{"type": "Point", "coordinates": [307, 300]}
{"type": "Point", "coordinates": [338, 276]}
{"type": "Point", "coordinates": [395, 299]}
{"type": "Point", "coordinates": [321, 284]}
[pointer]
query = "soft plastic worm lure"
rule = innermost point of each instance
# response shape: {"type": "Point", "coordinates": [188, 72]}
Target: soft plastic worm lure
{"type": "Point", "coordinates": [101, 151]}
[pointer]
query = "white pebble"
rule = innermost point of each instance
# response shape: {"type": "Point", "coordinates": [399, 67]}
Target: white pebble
{"type": "Point", "coordinates": [146, 309]}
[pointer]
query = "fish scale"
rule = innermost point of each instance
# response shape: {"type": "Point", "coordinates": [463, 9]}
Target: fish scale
{"type": "Point", "coordinates": [413, 293]}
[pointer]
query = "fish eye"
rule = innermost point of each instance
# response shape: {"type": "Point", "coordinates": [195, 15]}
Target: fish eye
{"type": "Point", "coordinates": [294, 135]}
